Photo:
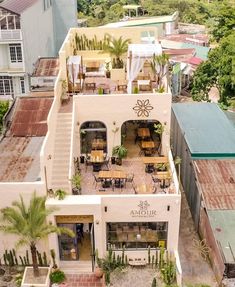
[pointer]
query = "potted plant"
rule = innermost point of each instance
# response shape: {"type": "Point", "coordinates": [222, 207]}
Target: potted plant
{"type": "Point", "coordinates": [162, 166]}
{"type": "Point", "coordinates": [136, 90]}
{"type": "Point", "coordinates": [57, 276]}
{"type": "Point", "coordinates": [60, 193]}
{"type": "Point", "coordinates": [76, 181]}
{"type": "Point", "coordinates": [107, 69]}
{"type": "Point", "coordinates": [117, 48]}
{"type": "Point", "coordinates": [120, 152]}
{"type": "Point", "coordinates": [98, 269]}
{"type": "Point", "coordinates": [159, 66]}
{"type": "Point", "coordinates": [54, 266]}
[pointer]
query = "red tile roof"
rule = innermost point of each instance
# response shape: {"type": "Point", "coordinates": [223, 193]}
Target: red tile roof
{"type": "Point", "coordinates": [216, 179]}
{"type": "Point", "coordinates": [195, 61]}
{"type": "Point", "coordinates": [30, 117]}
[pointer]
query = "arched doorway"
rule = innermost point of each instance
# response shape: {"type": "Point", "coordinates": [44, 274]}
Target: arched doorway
{"type": "Point", "coordinates": [142, 137]}
{"type": "Point", "coordinates": [93, 136]}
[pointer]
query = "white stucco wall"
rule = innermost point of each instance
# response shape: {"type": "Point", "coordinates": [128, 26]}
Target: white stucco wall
{"type": "Point", "coordinates": [4, 56]}
{"type": "Point", "coordinates": [119, 108]}
{"type": "Point", "coordinates": [95, 205]}
{"type": "Point", "coordinates": [38, 34]}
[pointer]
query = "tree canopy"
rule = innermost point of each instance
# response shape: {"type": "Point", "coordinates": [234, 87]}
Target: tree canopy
{"type": "Point", "coordinates": [218, 70]}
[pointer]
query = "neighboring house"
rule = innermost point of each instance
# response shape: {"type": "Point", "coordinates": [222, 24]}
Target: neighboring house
{"type": "Point", "coordinates": [166, 24]}
{"type": "Point", "coordinates": [204, 138]}
{"type": "Point", "coordinates": [30, 29]}
{"type": "Point", "coordinates": [117, 207]}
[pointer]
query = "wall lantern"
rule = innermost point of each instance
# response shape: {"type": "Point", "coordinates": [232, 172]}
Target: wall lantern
{"type": "Point", "coordinates": [97, 222]}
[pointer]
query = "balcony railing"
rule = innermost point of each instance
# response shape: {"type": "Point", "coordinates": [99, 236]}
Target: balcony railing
{"type": "Point", "coordinates": [6, 35]}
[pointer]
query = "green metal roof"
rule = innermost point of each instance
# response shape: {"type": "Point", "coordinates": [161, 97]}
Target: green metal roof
{"type": "Point", "coordinates": [201, 52]}
{"type": "Point", "coordinates": [223, 226]}
{"type": "Point", "coordinates": [207, 130]}
{"type": "Point", "coordinates": [231, 116]}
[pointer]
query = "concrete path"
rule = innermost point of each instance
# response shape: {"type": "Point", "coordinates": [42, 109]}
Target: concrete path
{"type": "Point", "coordinates": [195, 269]}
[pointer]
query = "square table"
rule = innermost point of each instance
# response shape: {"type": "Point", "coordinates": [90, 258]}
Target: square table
{"type": "Point", "coordinates": [97, 156]}
{"type": "Point", "coordinates": [147, 144]}
{"type": "Point", "coordinates": [144, 189]}
{"type": "Point", "coordinates": [143, 83]}
{"type": "Point", "coordinates": [154, 159]}
{"type": "Point", "coordinates": [143, 132]}
{"type": "Point", "coordinates": [112, 174]}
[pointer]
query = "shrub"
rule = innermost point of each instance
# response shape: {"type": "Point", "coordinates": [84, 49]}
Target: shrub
{"type": "Point", "coordinates": [57, 276]}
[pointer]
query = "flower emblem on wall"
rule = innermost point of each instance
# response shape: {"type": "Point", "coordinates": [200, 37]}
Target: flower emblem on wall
{"type": "Point", "coordinates": [143, 108]}
{"type": "Point", "coordinates": [144, 205]}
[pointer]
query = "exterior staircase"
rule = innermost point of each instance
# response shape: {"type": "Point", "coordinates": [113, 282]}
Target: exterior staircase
{"type": "Point", "coordinates": [61, 157]}
{"type": "Point", "coordinates": [76, 267]}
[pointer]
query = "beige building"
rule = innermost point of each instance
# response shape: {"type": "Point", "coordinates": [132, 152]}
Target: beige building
{"type": "Point", "coordinates": [135, 205]}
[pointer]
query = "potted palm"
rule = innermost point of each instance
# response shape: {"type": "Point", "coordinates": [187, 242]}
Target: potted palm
{"type": "Point", "coordinates": [120, 152]}
{"type": "Point", "coordinates": [159, 66]}
{"type": "Point", "coordinates": [117, 48]}
{"type": "Point", "coordinates": [76, 181]}
{"type": "Point", "coordinates": [29, 225]}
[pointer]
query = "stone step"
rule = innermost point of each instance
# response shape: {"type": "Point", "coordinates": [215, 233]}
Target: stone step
{"type": "Point", "coordinates": [76, 267]}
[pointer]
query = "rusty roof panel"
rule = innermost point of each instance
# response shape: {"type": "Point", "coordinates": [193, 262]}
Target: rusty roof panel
{"type": "Point", "coordinates": [217, 183]}
{"type": "Point", "coordinates": [46, 67]}
{"type": "Point", "coordinates": [20, 158]}
{"type": "Point", "coordinates": [30, 117]}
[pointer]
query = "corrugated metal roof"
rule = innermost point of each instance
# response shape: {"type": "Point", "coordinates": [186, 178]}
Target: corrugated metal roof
{"type": "Point", "coordinates": [231, 116]}
{"type": "Point", "coordinates": [207, 131]}
{"type": "Point", "coordinates": [46, 67]}
{"type": "Point", "coordinates": [17, 6]}
{"type": "Point", "coordinates": [30, 117]}
{"type": "Point", "coordinates": [143, 21]}
{"type": "Point", "coordinates": [201, 52]}
{"type": "Point", "coordinates": [216, 179]}
{"type": "Point", "coordinates": [20, 159]}
{"type": "Point", "coordinates": [223, 226]}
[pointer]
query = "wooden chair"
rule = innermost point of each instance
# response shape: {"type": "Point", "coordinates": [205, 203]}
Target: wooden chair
{"type": "Point", "coordinates": [90, 87]}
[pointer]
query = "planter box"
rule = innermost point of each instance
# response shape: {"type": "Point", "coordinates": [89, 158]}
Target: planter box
{"type": "Point", "coordinates": [41, 281]}
{"type": "Point", "coordinates": [118, 74]}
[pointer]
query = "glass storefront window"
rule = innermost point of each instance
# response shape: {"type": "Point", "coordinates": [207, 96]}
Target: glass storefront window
{"type": "Point", "coordinates": [136, 235]}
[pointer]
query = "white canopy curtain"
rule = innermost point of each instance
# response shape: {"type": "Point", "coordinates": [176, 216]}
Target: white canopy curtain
{"type": "Point", "coordinates": [74, 64]}
{"type": "Point", "coordinates": [137, 55]}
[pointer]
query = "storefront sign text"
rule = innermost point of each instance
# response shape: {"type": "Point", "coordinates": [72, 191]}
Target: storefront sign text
{"type": "Point", "coordinates": [143, 210]}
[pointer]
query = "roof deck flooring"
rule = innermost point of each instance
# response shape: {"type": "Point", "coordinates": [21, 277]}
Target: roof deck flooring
{"type": "Point", "coordinates": [132, 164]}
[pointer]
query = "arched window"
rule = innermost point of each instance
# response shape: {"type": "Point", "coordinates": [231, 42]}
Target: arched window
{"type": "Point", "coordinates": [93, 137]}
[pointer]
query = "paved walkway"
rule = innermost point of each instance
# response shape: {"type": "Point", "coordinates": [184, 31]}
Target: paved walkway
{"type": "Point", "coordinates": [83, 280]}
{"type": "Point", "coordinates": [194, 268]}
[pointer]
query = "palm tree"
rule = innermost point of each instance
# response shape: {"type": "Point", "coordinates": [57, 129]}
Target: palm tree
{"type": "Point", "coordinates": [29, 224]}
{"type": "Point", "coordinates": [116, 48]}
{"type": "Point", "coordinates": [159, 67]}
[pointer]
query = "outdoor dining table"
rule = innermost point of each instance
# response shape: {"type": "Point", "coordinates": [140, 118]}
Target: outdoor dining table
{"type": "Point", "coordinates": [112, 174]}
{"type": "Point", "coordinates": [143, 132]}
{"type": "Point", "coordinates": [163, 176]}
{"type": "Point", "coordinates": [147, 144]}
{"type": "Point", "coordinates": [154, 159]}
{"type": "Point", "coordinates": [145, 189]}
{"type": "Point", "coordinates": [116, 175]}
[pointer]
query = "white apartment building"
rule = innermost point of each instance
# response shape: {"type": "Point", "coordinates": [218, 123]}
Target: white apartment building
{"type": "Point", "coordinates": [30, 29]}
